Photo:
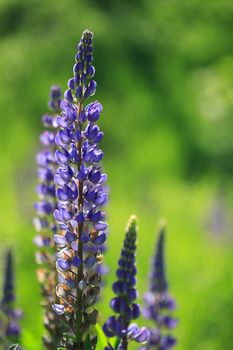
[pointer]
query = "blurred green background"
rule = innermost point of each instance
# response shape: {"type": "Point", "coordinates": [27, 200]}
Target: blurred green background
{"type": "Point", "coordinates": [164, 70]}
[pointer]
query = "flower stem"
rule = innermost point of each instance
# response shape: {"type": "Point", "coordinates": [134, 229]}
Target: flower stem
{"type": "Point", "coordinates": [79, 312]}
{"type": "Point", "coordinates": [124, 343]}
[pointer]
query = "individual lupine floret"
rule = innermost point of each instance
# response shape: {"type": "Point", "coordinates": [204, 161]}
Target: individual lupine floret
{"type": "Point", "coordinates": [81, 194]}
{"type": "Point", "coordinates": [159, 304]}
{"type": "Point", "coordinates": [44, 222]}
{"type": "Point", "coordinates": [126, 293]}
{"type": "Point", "coordinates": [10, 328]}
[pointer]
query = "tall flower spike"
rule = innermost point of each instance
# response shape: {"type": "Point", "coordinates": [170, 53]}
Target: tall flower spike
{"type": "Point", "coordinates": [159, 303]}
{"type": "Point", "coordinates": [81, 194]}
{"type": "Point", "coordinates": [45, 225]}
{"type": "Point", "coordinates": [10, 326]}
{"type": "Point", "coordinates": [126, 293]}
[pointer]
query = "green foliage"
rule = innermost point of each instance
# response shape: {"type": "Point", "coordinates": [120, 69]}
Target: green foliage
{"type": "Point", "coordinates": [102, 339]}
{"type": "Point", "coordinates": [87, 343]}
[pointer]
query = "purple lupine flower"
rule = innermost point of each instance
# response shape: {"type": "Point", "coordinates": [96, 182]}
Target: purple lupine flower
{"type": "Point", "coordinates": [158, 303]}
{"type": "Point", "coordinates": [44, 222]}
{"type": "Point", "coordinates": [124, 303]}
{"type": "Point", "coordinates": [81, 195]}
{"type": "Point", "coordinates": [10, 328]}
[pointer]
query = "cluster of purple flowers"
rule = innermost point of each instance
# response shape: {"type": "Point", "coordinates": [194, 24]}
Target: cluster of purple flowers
{"type": "Point", "coordinates": [44, 222]}
{"type": "Point", "coordinates": [159, 304]}
{"type": "Point", "coordinates": [9, 315]}
{"type": "Point", "coordinates": [124, 304]}
{"type": "Point", "coordinates": [81, 194]}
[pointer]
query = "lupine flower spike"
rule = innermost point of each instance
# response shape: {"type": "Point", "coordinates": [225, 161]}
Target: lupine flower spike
{"type": "Point", "coordinates": [9, 324]}
{"type": "Point", "coordinates": [123, 304]}
{"type": "Point", "coordinates": [44, 222]}
{"type": "Point", "coordinates": [81, 194]}
{"type": "Point", "coordinates": [159, 303]}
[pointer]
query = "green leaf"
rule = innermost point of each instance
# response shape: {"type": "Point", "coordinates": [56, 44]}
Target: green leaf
{"type": "Point", "coordinates": [61, 349]}
{"type": "Point", "coordinates": [13, 347]}
{"type": "Point", "coordinates": [102, 339]}
{"type": "Point", "coordinates": [117, 343]}
{"type": "Point", "coordinates": [87, 343]}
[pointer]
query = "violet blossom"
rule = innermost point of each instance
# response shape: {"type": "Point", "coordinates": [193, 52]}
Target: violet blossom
{"type": "Point", "coordinates": [81, 195]}
{"type": "Point", "coordinates": [124, 303]}
{"type": "Point", "coordinates": [45, 225]}
{"type": "Point", "coordinates": [158, 303]}
{"type": "Point", "coordinates": [9, 325]}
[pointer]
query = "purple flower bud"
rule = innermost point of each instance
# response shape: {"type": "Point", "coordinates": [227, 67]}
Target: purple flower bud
{"type": "Point", "coordinates": [78, 67]}
{"type": "Point", "coordinates": [135, 311]}
{"type": "Point", "coordinates": [43, 208]}
{"type": "Point", "coordinates": [80, 218]}
{"type": "Point", "coordinates": [97, 156]}
{"type": "Point", "coordinates": [90, 261]}
{"type": "Point", "coordinates": [94, 175]}
{"type": "Point", "coordinates": [58, 309]}
{"type": "Point", "coordinates": [61, 215]}
{"type": "Point", "coordinates": [101, 226]}
{"type": "Point", "coordinates": [63, 265]}
{"type": "Point", "coordinates": [62, 122]}
{"type": "Point", "coordinates": [64, 194]}
{"type": "Point", "coordinates": [93, 111]}
{"type": "Point", "coordinates": [140, 335]}
{"type": "Point", "coordinates": [120, 287]}
{"type": "Point", "coordinates": [77, 136]}
{"type": "Point", "coordinates": [47, 120]}
{"type": "Point", "coordinates": [91, 131]}
{"type": "Point", "coordinates": [65, 136]}
{"type": "Point", "coordinates": [77, 80]}
{"type": "Point", "coordinates": [90, 71]}
{"type": "Point", "coordinates": [101, 199]}
{"type": "Point", "coordinates": [58, 180]}
{"type": "Point", "coordinates": [98, 137]}
{"type": "Point", "coordinates": [74, 153]}
{"type": "Point", "coordinates": [132, 294]}
{"type": "Point", "coordinates": [60, 240]}
{"type": "Point", "coordinates": [65, 173]}
{"type": "Point", "coordinates": [47, 138]}
{"type": "Point", "coordinates": [82, 174]}
{"type": "Point", "coordinates": [76, 261]}
{"type": "Point", "coordinates": [95, 217]}
{"type": "Point", "coordinates": [110, 326]}
{"type": "Point", "coordinates": [70, 236]}
{"type": "Point", "coordinates": [13, 330]}
{"type": "Point", "coordinates": [55, 92]}
{"type": "Point", "coordinates": [68, 95]}
{"type": "Point", "coordinates": [85, 238]}
{"type": "Point", "coordinates": [79, 92]}
{"type": "Point", "coordinates": [62, 157]}
{"type": "Point", "coordinates": [169, 322]}
{"type": "Point", "coordinates": [71, 84]}
{"type": "Point", "coordinates": [91, 88]}
{"type": "Point", "coordinates": [74, 246]}
{"type": "Point", "coordinates": [99, 240]}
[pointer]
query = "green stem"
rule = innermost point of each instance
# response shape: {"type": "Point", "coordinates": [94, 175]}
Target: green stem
{"type": "Point", "coordinates": [79, 312]}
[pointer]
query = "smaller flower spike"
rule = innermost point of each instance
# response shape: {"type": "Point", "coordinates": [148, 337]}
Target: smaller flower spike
{"type": "Point", "coordinates": [159, 303]}
{"type": "Point", "coordinates": [45, 224]}
{"type": "Point", "coordinates": [124, 303]}
{"type": "Point", "coordinates": [9, 325]}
